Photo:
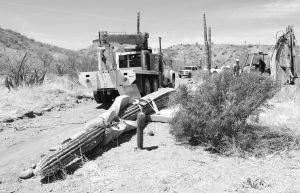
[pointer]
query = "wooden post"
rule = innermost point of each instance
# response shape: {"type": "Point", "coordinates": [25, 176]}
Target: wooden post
{"type": "Point", "coordinates": [140, 129]}
{"type": "Point", "coordinates": [206, 44]}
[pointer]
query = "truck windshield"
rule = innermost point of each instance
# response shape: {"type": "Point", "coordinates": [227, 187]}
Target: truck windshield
{"type": "Point", "coordinates": [187, 68]}
{"type": "Point", "coordinates": [135, 60]}
{"type": "Point", "coordinates": [123, 61]}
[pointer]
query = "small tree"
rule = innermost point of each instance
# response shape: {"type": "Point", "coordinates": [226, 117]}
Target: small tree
{"type": "Point", "coordinates": [60, 66]}
{"type": "Point", "coordinates": [45, 57]}
{"type": "Point", "coordinates": [87, 63]}
{"type": "Point", "coordinates": [169, 55]}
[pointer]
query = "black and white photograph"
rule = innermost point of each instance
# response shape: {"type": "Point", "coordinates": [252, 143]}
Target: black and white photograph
{"type": "Point", "coordinates": [161, 96]}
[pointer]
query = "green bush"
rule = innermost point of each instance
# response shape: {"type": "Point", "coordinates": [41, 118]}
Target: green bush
{"type": "Point", "coordinates": [215, 113]}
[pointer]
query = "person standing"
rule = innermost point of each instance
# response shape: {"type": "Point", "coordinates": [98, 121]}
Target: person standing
{"type": "Point", "coordinates": [262, 65]}
{"type": "Point", "coordinates": [236, 67]}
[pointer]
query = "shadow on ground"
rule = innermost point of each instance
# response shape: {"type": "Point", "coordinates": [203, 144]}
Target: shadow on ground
{"type": "Point", "coordinates": [91, 155]}
{"type": "Point", "coordinates": [104, 106]}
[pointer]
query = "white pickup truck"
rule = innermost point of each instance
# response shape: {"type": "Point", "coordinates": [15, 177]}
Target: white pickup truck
{"type": "Point", "coordinates": [187, 71]}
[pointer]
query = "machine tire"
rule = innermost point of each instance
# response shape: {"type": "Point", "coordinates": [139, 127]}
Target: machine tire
{"type": "Point", "coordinates": [97, 96]}
{"type": "Point", "coordinates": [147, 87]}
{"type": "Point", "coordinates": [179, 76]}
{"type": "Point", "coordinates": [190, 75]}
{"type": "Point", "coordinates": [103, 97]}
{"type": "Point", "coordinates": [111, 97]}
{"type": "Point", "coordinates": [154, 84]}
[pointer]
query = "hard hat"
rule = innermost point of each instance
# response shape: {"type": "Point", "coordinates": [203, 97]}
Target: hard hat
{"type": "Point", "coordinates": [237, 60]}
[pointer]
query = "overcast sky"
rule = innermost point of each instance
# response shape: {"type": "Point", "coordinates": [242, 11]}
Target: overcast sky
{"type": "Point", "coordinates": [74, 24]}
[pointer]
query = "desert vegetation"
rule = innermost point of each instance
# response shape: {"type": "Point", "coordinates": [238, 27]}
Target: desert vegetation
{"type": "Point", "coordinates": [222, 54]}
{"type": "Point", "coordinates": [222, 112]}
{"type": "Point", "coordinates": [32, 74]}
{"type": "Point", "coordinates": [24, 61]}
{"type": "Point", "coordinates": [56, 92]}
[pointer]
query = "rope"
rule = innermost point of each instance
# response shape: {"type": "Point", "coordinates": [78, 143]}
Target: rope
{"type": "Point", "coordinates": [153, 106]}
{"type": "Point", "coordinates": [137, 102]}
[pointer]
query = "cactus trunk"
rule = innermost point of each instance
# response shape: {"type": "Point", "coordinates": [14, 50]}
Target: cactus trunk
{"type": "Point", "coordinates": [140, 129]}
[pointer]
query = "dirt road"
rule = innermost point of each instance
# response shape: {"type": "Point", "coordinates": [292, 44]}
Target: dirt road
{"type": "Point", "coordinates": [20, 147]}
{"type": "Point", "coordinates": [31, 138]}
{"type": "Point", "coordinates": [163, 166]}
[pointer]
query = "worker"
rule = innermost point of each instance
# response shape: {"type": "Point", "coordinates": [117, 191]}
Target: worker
{"type": "Point", "coordinates": [236, 67]}
{"type": "Point", "coordinates": [262, 65]}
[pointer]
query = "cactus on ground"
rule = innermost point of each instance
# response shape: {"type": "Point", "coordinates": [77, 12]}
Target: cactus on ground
{"type": "Point", "coordinates": [74, 148]}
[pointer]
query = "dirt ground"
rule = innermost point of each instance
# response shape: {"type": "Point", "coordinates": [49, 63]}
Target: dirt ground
{"type": "Point", "coordinates": [163, 166]}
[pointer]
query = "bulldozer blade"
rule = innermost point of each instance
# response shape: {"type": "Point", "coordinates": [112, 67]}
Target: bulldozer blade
{"type": "Point", "coordinates": [130, 90]}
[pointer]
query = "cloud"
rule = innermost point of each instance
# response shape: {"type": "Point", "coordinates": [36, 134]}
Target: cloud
{"type": "Point", "coordinates": [276, 9]}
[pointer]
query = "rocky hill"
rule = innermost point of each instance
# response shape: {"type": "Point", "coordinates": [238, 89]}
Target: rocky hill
{"type": "Point", "coordinates": [17, 50]}
{"type": "Point", "coordinates": [11, 40]}
{"type": "Point", "coordinates": [177, 55]}
{"type": "Point", "coordinates": [222, 54]}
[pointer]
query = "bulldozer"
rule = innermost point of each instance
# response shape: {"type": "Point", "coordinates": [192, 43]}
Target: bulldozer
{"type": "Point", "coordinates": [136, 71]}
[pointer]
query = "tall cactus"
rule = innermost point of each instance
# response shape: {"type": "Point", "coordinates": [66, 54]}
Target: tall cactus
{"type": "Point", "coordinates": [206, 44]}
{"type": "Point", "coordinates": [209, 50]}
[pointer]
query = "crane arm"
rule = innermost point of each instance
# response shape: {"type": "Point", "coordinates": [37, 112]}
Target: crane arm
{"type": "Point", "coordinates": [133, 39]}
{"type": "Point", "coordinates": [286, 41]}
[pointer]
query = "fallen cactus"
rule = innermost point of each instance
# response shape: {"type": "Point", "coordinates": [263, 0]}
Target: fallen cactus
{"type": "Point", "coordinates": [85, 142]}
{"type": "Point", "coordinates": [101, 130]}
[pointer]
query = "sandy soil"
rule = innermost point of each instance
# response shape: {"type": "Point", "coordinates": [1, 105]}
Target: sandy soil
{"type": "Point", "coordinates": [163, 166]}
{"type": "Point", "coordinates": [20, 149]}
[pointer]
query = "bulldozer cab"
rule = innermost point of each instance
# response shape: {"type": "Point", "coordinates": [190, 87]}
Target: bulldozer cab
{"type": "Point", "coordinates": [252, 61]}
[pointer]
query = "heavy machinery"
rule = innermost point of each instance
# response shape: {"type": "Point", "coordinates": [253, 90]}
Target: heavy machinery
{"type": "Point", "coordinates": [253, 58]}
{"type": "Point", "coordinates": [282, 66]}
{"type": "Point", "coordinates": [132, 71]}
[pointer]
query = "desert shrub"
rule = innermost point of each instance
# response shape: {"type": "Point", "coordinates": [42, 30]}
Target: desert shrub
{"type": "Point", "coordinates": [199, 76]}
{"type": "Point", "coordinates": [71, 63]}
{"type": "Point", "coordinates": [216, 113]}
{"type": "Point", "coordinates": [21, 69]}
